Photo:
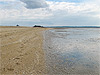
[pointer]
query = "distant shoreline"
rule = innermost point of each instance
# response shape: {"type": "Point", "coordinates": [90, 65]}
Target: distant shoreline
{"type": "Point", "coordinates": [56, 26]}
{"type": "Point", "coordinates": [72, 26]}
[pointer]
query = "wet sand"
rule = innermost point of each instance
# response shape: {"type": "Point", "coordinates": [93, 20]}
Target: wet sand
{"type": "Point", "coordinates": [21, 51]}
{"type": "Point", "coordinates": [73, 51]}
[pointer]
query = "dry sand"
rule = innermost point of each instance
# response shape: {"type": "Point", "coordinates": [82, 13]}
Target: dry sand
{"type": "Point", "coordinates": [21, 51]}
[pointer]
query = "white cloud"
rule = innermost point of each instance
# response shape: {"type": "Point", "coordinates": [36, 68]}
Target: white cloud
{"type": "Point", "coordinates": [75, 13]}
{"type": "Point", "coordinates": [23, 14]}
{"type": "Point", "coordinates": [74, 8]}
{"type": "Point", "coordinates": [7, 0]}
{"type": "Point", "coordinates": [11, 5]}
{"type": "Point", "coordinates": [65, 13]}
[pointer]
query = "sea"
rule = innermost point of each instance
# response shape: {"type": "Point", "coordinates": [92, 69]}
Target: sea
{"type": "Point", "coordinates": [73, 26]}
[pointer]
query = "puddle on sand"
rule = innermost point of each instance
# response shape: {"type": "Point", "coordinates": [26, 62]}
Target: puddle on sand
{"type": "Point", "coordinates": [72, 51]}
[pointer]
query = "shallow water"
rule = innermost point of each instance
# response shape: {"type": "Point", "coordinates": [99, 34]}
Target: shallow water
{"type": "Point", "coordinates": [72, 51]}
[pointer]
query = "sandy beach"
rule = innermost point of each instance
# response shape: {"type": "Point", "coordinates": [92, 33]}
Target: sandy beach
{"type": "Point", "coordinates": [46, 51]}
{"type": "Point", "coordinates": [21, 51]}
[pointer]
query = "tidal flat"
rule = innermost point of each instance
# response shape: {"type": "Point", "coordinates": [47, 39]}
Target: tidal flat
{"type": "Point", "coordinates": [72, 51]}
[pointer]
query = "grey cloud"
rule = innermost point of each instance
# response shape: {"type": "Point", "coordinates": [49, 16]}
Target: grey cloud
{"type": "Point", "coordinates": [33, 4]}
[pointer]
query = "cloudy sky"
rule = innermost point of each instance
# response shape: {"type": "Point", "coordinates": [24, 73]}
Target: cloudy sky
{"type": "Point", "coordinates": [50, 12]}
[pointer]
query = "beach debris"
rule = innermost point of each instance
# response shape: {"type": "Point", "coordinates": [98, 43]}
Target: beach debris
{"type": "Point", "coordinates": [10, 69]}
{"type": "Point", "coordinates": [17, 63]}
{"type": "Point", "coordinates": [16, 58]}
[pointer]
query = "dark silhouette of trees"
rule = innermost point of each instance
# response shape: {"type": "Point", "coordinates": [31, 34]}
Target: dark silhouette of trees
{"type": "Point", "coordinates": [37, 26]}
{"type": "Point", "coordinates": [17, 25]}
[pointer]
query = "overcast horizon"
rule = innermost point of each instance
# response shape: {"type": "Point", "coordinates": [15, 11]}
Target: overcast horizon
{"type": "Point", "coordinates": [50, 12]}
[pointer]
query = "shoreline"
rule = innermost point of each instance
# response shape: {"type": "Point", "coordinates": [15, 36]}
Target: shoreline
{"type": "Point", "coordinates": [51, 26]}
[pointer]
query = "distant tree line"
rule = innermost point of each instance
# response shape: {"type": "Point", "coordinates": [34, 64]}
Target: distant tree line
{"type": "Point", "coordinates": [37, 26]}
{"type": "Point", "coordinates": [33, 26]}
{"type": "Point", "coordinates": [17, 25]}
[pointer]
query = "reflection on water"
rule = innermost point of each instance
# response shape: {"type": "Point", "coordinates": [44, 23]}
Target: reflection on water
{"type": "Point", "coordinates": [72, 51]}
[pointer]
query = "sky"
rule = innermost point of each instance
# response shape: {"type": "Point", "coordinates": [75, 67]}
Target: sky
{"type": "Point", "coordinates": [49, 12]}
